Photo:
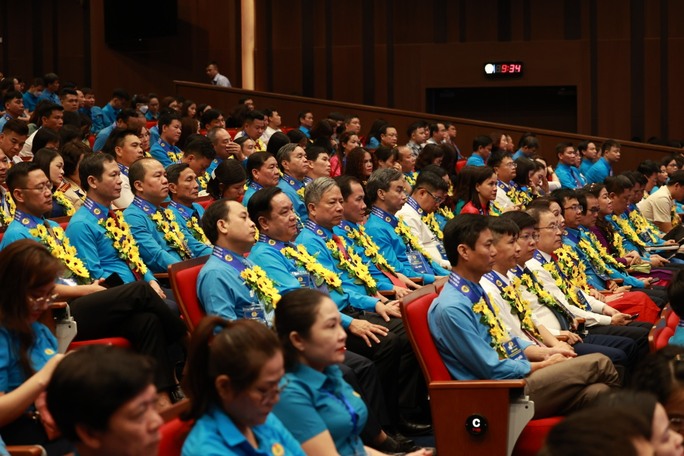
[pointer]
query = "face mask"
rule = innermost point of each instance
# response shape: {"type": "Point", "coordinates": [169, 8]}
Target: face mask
{"type": "Point", "coordinates": [143, 109]}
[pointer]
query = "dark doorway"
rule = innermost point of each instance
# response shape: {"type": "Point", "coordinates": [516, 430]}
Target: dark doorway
{"type": "Point", "coordinates": [551, 108]}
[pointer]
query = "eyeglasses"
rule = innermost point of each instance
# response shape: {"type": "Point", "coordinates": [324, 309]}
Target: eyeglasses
{"type": "Point", "coordinates": [574, 207]}
{"type": "Point", "coordinates": [594, 210]}
{"type": "Point", "coordinates": [43, 187]}
{"type": "Point", "coordinates": [38, 303]}
{"type": "Point", "coordinates": [268, 395]}
{"type": "Point", "coordinates": [552, 227]}
{"type": "Point", "coordinates": [512, 164]}
{"type": "Point", "coordinates": [438, 199]}
{"type": "Point", "coordinates": [527, 237]}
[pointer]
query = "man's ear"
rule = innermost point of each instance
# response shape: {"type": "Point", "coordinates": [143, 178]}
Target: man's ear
{"type": "Point", "coordinates": [463, 251]}
{"type": "Point", "coordinates": [173, 188]}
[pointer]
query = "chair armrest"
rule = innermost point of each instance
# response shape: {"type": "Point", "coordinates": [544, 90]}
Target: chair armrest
{"type": "Point", "coordinates": [161, 275]}
{"type": "Point", "coordinates": [387, 293]}
{"type": "Point", "coordinates": [25, 450]}
{"type": "Point", "coordinates": [478, 384]}
{"type": "Point", "coordinates": [418, 280]}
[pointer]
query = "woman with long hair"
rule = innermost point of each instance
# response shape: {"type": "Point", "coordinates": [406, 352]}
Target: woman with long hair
{"type": "Point", "coordinates": [52, 165]}
{"type": "Point", "coordinates": [233, 380]}
{"type": "Point", "coordinates": [29, 270]}
{"type": "Point", "coordinates": [347, 142]}
{"type": "Point", "coordinates": [476, 187]}
{"type": "Point", "coordinates": [359, 164]}
{"type": "Point", "coordinates": [228, 181]}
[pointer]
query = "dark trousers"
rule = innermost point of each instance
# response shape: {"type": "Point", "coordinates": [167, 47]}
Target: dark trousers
{"type": "Point", "coordinates": [136, 312]}
{"type": "Point", "coordinates": [619, 349]}
{"type": "Point", "coordinates": [637, 331]}
{"type": "Point", "coordinates": [362, 375]}
{"type": "Point", "coordinates": [398, 370]}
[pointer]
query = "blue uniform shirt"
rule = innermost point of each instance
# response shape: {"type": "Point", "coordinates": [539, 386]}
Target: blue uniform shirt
{"type": "Point", "coordinates": [43, 348]}
{"type": "Point", "coordinates": [160, 150]}
{"type": "Point", "coordinates": [252, 188]}
{"type": "Point", "coordinates": [475, 160]}
{"type": "Point", "coordinates": [155, 252]}
{"type": "Point", "coordinates": [222, 291]}
{"type": "Point", "coordinates": [570, 176]}
{"type": "Point", "coordinates": [19, 228]}
{"type": "Point", "coordinates": [215, 434]}
{"type": "Point", "coordinates": [30, 101]}
{"type": "Point", "coordinates": [102, 137]}
{"type": "Point", "coordinates": [95, 249]}
{"type": "Point", "coordinates": [50, 96]}
{"type": "Point", "coordinates": [464, 343]}
{"type": "Point", "coordinates": [354, 294]}
{"type": "Point", "coordinates": [315, 402]}
{"type": "Point", "coordinates": [3, 121]}
{"type": "Point", "coordinates": [289, 186]}
{"type": "Point", "coordinates": [183, 215]}
{"type": "Point", "coordinates": [109, 114]}
{"type": "Point", "coordinates": [392, 247]}
{"type": "Point", "coordinates": [599, 171]}
{"type": "Point", "coordinates": [585, 166]}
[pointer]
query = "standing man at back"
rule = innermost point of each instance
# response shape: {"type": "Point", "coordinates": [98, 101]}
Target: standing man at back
{"type": "Point", "coordinates": [217, 78]}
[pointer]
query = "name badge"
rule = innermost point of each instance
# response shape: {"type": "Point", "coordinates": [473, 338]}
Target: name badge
{"type": "Point", "coordinates": [442, 250]}
{"type": "Point", "coordinates": [304, 279]}
{"type": "Point", "coordinates": [254, 312]}
{"type": "Point", "coordinates": [417, 262]}
{"type": "Point", "coordinates": [513, 349]}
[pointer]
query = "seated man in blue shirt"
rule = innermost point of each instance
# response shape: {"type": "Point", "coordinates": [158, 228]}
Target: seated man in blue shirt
{"type": "Point", "coordinates": [229, 285]}
{"type": "Point", "coordinates": [528, 147]}
{"type": "Point", "coordinates": [155, 229]}
{"type": "Point", "coordinates": [101, 237]}
{"type": "Point", "coordinates": [482, 148]}
{"type": "Point", "coordinates": [359, 305]}
{"type": "Point", "coordinates": [294, 165]}
{"type": "Point", "coordinates": [107, 115]}
{"type": "Point", "coordinates": [610, 151]}
{"type": "Point", "coordinates": [474, 343]}
{"type": "Point", "coordinates": [183, 189]}
{"type": "Point", "coordinates": [402, 250]}
{"type": "Point", "coordinates": [127, 118]}
{"type": "Point", "coordinates": [165, 149]}
{"type": "Point", "coordinates": [568, 174]}
{"type": "Point", "coordinates": [51, 84]}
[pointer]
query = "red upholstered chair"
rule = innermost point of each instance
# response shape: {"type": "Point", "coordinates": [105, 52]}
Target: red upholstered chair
{"type": "Point", "coordinates": [672, 321]}
{"type": "Point", "coordinates": [460, 164]}
{"type": "Point", "coordinates": [150, 123]}
{"type": "Point", "coordinates": [116, 341]}
{"type": "Point", "coordinates": [25, 450]}
{"type": "Point", "coordinates": [183, 278]}
{"type": "Point", "coordinates": [174, 430]}
{"type": "Point", "coordinates": [454, 401]}
{"type": "Point", "coordinates": [660, 334]}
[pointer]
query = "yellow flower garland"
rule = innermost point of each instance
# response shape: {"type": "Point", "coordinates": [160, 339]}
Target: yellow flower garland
{"type": "Point", "coordinates": [300, 193]}
{"type": "Point", "coordinates": [616, 241]}
{"type": "Point", "coordinates": [197, 231]}
{"type": "Point", "coordinates": [603, 253]}
{"type": "Point", "coordinates": [167, 225]}
{"type": "Point", "coordinates": [643, 226]}
{"type": "Point", "coordinates": [370, 249]}
{"type": "Point", "coordinates": [320, 274]}
{"type": "Point", "coordinates": [354, 266]}
{"type": "Point", "coordinates": [628, 231]}
{"type": "Point", "coordinates": [496, 328]}
{"type": "Point", "coordinates": [570, 295]}
{"type": "Point", "coordinates": [61, 249]}
{"type": "Point", "coordinates": [569, 262]}
{"type": "Point", "coordinates": [676, 219]}
{"type": "Point", "coordinates": [431, 221]}
{"type": "Point", "coordinates": [63, 201]}
{"type": "Point", "coordinates": [124, 243]}
{"type": "Point", "coordinates": [11, 207]}
{"type": "Point", "coordinates": [542, 295]}
{"type": "Point", "coordinates": [409, 239]}
{"type": "Point", "coordinates": [520, 307]}
{"type": "Point", "coordinates": [256, 279]}
{"type": "Point", "coordinates": [203, 180]}
{"type": "Point", "coordinates": [445, 212]}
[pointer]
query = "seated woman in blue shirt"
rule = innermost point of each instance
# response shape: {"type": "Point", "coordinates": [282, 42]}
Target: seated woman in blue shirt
{"type": "Point", "coordinates": [321, 410]}
{"type": "Point", "coordinates": [27, 346]}
{"type": "Point", "coordinates": [233, 381]}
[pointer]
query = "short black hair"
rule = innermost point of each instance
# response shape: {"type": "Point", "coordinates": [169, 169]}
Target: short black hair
{"type": "Point", "coordinates": [121, 94]}
{"type": "Point", "coordinates": [209, 116]}
{"type": "Point", "coordinates": [648, 168]}
{"type": "Point", "coordinates": [18, 174]}
{"type": "Point", "coordinates": [312, 152]}
{"type": "Point", "coordinates": [91, 384]}
{"type": "Point", "coordinates": [165, 119]}
{"type": "Point", "coordinates": [463, 229]}
{"type": "Point", "coordinates": [218, 210]}
{"type": "Point", "coordinates": [431, 182]}
{"type": "Point", "coordinates": [259, 204]}
{"type": "Point", "coordinates": [116, 139]}
{"type": "Point", "coordinates": [618, 184]}
{"type": "Point", "coordinates": [174, 171]}
{"type": "Point", "coordinates": [502, 226]}
{"type": "Point", "coordinates": [482, 141]}
{"type": "Point", "coordinates": [200, 147]}
{"type": "Point", "coordinates": [608, 144]}
{"type": "Point", "coordinates": [344, 182]}
{"type": "Point", "coordinates": [497, 157]}
{"type": "Point", "coordinates": [92, 165]}
{"type": "Point", "coordinates": [676, 178]}
{"type": "Point", "coordinates": [521, 219]}
{"type": "Point", "coordinates": [17, 126]}
{"type": "Point", "coordinates": [563, 194]}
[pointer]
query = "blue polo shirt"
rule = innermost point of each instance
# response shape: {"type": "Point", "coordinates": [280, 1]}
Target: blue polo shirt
{"type": "Point", "coordinates": [216, 434]}
{"type": "Point", "coordinates": [475, 160]}
{"type": "Point", "coordinates": [570, 176]}
{"type": "Point", "coordinates": [315, 402]}
{"type": "Point", "coordinates": [599, 171]}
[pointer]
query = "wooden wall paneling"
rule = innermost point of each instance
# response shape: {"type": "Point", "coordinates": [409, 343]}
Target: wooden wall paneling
{"type": "Point", "coordinates": [480, 20]}
{"type": "Point", "coordinates": [413, 21]}
{"type": "Point", "coordinates": [637, 68]}
{"type": "Point", "coordinates": [368, 51]}
{"type": "Point", "coordinates": [652, 90]}
{"type": "Point", "coordinates": [664, 68]}
{"type": "Point", "coordinates": [675, 23]}
{"type": "Point", "coordinates": [517, 21]}
{"type": "Point", "coordinates": [70, 41]}
{"type": "Point", "coordinates": [572, 23]}
{"type": "Point", "coordinates": [614, 80]}
{"type": "Point", "coordinates": [547, 20]}
{"type": "Point", "coordinates": [408, 86]}
{"type": "Point", "coordinates": [675, 88]}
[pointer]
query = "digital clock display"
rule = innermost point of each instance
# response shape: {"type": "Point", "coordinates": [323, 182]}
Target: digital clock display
{"type": "Point", "coordinates": [495, 69]}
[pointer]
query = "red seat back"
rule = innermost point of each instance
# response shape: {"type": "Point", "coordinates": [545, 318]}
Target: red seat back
{"type": "Point", "coordinates": [672, 320]}
{"type": "Point", "coordinates": [415, 320]}
{"type": "Point", "coordinates": [173, 435]}
{"type": "Point", "coordinates": [663, 338]}
{"type": "Point", "coordinates": [460, 164]}
{"type": "Point", "coordinates": [183, 278]}
{"type": "Point", "coordinates": [659, 335]}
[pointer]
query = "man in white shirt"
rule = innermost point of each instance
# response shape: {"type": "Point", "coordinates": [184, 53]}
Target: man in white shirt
{"type": "Point", "coordinates": [13, 138]}
{"type": "Point", "coordinates": [657, 208]}
{"type": "Point", "coordinates": [217, 78]}
{"type": "Point", "coordinates": [124, 145]}
{"type": "Point", "coordinates": [428, 193]}
{"type": "Point", "coordinates": [274, 122]}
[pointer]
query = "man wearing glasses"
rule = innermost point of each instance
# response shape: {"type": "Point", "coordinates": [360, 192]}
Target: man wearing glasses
{"type": "Point", "coordinates": [566, 170]}
{"type": "Point", "coordinates": [428, 193]}
{"type": "Point", "coordinates": [600, 317]}
{"type": "Point", "coordinates": [506, 169]}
